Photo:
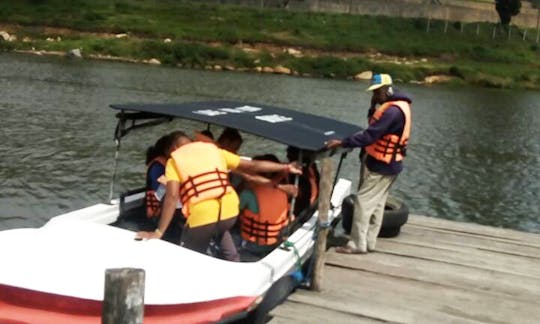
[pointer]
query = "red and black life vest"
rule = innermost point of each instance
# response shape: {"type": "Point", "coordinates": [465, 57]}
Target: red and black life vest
{"type": "Point", "coordinates": [153, 205]}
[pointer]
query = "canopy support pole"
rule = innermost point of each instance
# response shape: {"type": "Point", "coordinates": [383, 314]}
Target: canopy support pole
{"type": "Point", "coordinates": [113, 177]}
{"type": "Point", "coordinates": [343, 155]}
{"type": "Point", "coordinates": [296, 181]}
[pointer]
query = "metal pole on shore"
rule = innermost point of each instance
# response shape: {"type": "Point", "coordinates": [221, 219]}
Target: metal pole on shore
{"type": "Point", "coordinates": [538, 26]}
{"type": "Point", "coordinates": [446, 16]}
{"type": "Point", "coordinates": [123, 301]}
{"type": "Point", "coordinates": [428, 20]}
{"type": "Point", "coordinates": [325, 190]}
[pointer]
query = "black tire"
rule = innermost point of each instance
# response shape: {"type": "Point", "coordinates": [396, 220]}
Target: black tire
{"type": "Point", "coordinates": [396, 213]}
{"type": "Point", "coordinates": [389, 232]}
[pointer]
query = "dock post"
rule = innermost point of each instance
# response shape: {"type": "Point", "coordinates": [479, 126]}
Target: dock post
{"type": "Point", "coordinates": [325, 190]}
{"type": "Point", "coordinates": [124, 296]}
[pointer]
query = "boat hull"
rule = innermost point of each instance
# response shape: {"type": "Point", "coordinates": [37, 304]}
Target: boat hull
{"type": "Point", "coordinates": [19, 305]}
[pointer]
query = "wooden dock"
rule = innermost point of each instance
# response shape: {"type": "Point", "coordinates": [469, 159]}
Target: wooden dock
{"type": "Point", "coordinates": [435, 271]}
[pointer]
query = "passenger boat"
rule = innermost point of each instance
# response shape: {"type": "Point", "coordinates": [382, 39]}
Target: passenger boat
{"type": "Point", "coordinates": [56, 273]}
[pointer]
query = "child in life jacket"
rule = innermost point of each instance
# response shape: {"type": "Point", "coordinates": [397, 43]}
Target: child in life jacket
{"type": "Point", "coordinates": [264, 213]}
{"type": "Point", "coordinates": [156, 159]}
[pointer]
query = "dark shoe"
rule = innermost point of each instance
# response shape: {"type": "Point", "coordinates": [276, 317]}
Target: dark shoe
{"type": "Point", "coordinates": [349, 250]}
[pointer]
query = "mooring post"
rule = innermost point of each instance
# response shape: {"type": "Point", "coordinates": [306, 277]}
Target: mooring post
{"type": "Point", "coordinates": [325, 189]}
{"type": "Point", "coordinates": [123, 302]}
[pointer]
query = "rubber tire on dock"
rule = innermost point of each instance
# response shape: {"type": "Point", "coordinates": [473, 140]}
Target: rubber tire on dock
{"type": "Point", "coordinates": [396, 213]}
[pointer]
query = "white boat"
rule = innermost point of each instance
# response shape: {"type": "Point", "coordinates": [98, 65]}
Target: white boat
{"type": "Point", "coordinates": [56, 273]}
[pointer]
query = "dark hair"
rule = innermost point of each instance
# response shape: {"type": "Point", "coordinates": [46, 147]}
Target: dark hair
{"type": "Point", "coordinates": [230, 134]}
{"type": "Point", "coordinates": [292, 153]}
{"type": "Point", "coordinates": [160, 148]}
{"type": "Point", "coordinates": [207, 133]}
{"type": "Point", "coordinates": [174, 136]}
{"type": "Point", "coordinates": [162, 145]}
{"type": "Point", "coordinates": [266, 157]}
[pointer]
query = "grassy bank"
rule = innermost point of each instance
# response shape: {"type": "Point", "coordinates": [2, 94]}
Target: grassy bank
{"type": "Point", "coordinates": [329, 45]}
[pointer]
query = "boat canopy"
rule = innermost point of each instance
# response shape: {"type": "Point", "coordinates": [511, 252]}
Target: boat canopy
{"type": "Point", "coordinates": [303, 130]}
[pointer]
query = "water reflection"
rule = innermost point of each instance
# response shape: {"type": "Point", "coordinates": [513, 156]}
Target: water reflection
{"type": "Point", "coordinates": [474, 152]}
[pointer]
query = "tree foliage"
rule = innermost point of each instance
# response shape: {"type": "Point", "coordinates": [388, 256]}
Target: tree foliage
{"type": "Point", "coordinates": [507, 9]}
{"type": "Point", "coordinates": [535, 3]}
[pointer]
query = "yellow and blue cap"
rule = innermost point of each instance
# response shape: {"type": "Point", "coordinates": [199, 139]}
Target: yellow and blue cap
{"type": "Point", "coordinates": [379, 80]}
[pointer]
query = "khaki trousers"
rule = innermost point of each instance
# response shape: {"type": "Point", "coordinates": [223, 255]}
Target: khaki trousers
{"type": "Point", "coordinates": [369, 205]}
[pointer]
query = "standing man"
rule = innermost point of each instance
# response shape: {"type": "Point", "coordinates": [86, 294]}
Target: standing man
{"type": "Point", "coordinates": [385, 143]}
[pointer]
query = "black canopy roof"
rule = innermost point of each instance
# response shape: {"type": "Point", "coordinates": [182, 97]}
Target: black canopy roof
{"type": "Point", "coordinates": [290, 127]}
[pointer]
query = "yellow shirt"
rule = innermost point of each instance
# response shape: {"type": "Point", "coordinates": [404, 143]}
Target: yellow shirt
{"type": "Point", "coordinates": [205, 212]}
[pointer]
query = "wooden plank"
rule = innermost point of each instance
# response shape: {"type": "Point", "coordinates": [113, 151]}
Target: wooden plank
{"type": "Point", "coordinates": [409, 301]}
{"type": "Point", "coordinates": [443, 274]}
{"type": "Point", "coordinates": [440, 223]}
{"type": "Point", "coordinates": [296, 312]}
{"type": "Point", "coordinates": [469, 240]}
{"type": "Point", "coordinates": [432, 250]}
{"type": "Point", "coordinates": [436, 271]}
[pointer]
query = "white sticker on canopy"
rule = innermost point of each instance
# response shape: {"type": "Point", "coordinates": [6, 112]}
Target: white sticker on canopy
{"type": "Point", "coordinates": [209, 112]}
{"type": "Point", "coordinates": [224, 111]}
{"type": "Point", "coordinates": [247, 109]}
{"type": "Point", "coordinates": [329, 133]}
{"type": "Point", "coordinates": [274, 118]}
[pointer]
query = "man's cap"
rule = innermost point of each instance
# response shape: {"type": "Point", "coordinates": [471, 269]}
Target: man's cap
{"type": "Point", "coordinates": [379, 80]}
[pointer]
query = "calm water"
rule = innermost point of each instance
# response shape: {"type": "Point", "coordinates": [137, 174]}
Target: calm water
{"type": "Point", "coordinates": [474, 155]}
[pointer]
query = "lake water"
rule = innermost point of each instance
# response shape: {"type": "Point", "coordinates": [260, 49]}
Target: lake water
{"type": "Point", "coordinates": [474, 153]}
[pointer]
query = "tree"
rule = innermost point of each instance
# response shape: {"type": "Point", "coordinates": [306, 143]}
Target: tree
{"type": "Point", "coordinates": [507, 9]}
{"type": "Point", "coordinates": [535, 3]}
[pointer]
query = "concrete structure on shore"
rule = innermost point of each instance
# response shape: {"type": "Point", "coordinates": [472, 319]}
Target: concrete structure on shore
{"type": "Point", "coordinates": [435, 271]}
{"type": "Point", "coordinates": [451, 10]}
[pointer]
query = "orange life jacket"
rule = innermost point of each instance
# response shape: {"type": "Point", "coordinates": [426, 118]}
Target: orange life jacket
{"type": "Point", "coordinates": [391, 146]}
{"type": "Point", "coordinates": [265, 227]}
{"type": "Point", "coordinates": [203, 172]}
{"type": "Point", "coordinates": [153, 205]}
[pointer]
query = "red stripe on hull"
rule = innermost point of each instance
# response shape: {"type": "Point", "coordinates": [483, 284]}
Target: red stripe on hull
{"type": "Point", "coordinates": [18, 305]}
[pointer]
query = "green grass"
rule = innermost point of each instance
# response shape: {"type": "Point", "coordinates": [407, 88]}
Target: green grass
{"type": "Point", "coordinates": [472, 58]}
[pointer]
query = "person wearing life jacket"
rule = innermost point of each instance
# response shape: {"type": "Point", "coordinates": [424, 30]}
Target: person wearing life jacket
{"type": "Point", "coordinates": [385, 142]}
{"type": "Point", "coordinates": [231, 141]}
{"type": "Point", "coordinates": [264, 213]}
{"type": "Point", "coordinates": [156, 159]}
{"type": "Point", "coordinates": [197, 174]}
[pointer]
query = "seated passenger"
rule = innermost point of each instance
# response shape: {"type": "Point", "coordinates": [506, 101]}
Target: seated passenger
{"type": "Point", "coordinates": [264, 213]}
{"type": "Point", "coordinates": [230, 140]}
{"type": "Point", "coordinates": [308, 182]}
{"type": "Point", "coordinates": [156, 159]}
